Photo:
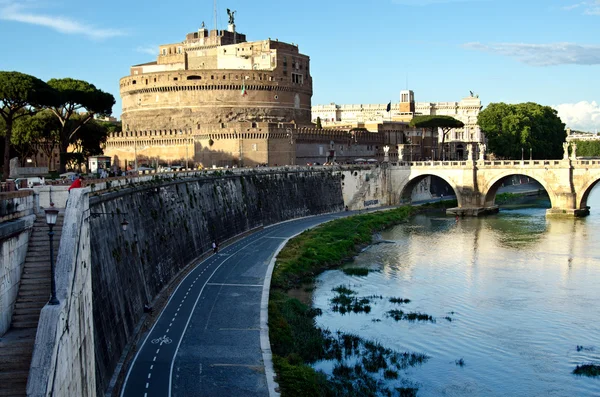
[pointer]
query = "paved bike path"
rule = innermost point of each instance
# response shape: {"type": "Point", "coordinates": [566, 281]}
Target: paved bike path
{"type": "Point", "coordinates": [206, 341]}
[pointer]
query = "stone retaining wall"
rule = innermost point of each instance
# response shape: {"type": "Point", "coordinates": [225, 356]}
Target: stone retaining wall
{"type": "Point", "coordinates": [174, 221]}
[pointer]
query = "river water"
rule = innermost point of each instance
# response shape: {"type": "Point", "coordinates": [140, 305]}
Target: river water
{"type": "Point", "coordinates": [522, 293]}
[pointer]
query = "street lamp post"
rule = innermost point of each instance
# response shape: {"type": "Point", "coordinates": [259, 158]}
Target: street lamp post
{"type": "Point", "coordinates": [51, 215]}
{"type": "Point", "coordinates": [522, 154]}
{"type": "Point", "coordinates": [530, 154]}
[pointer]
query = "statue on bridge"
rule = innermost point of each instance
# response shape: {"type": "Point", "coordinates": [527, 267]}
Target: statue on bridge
{"type": "Point", "coordinates": [566, 150]}
{"type": "Point", "coordinates": [573, 151]}
{"type": "Point", "coordinates": [482, 148]}
{"type": "Point", "coordinates": [386, 156]}
{"type": "Point", "coordinates": [469, 148]}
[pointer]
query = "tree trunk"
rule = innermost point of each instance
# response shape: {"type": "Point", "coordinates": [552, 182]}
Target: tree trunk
{"type": "Point", "coordinates": [64, 146]}
{"type": "Point", "coordinates": [443, 147]}
{"type": "Point", "coordinates": [6, 172]}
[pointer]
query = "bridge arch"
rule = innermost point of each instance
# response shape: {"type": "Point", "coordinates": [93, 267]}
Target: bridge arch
{"type": "Point", "coordinates": [414, 180]}
{"type": "Point", "coordinates": [586, 190]}
{"type": "Point", "coordinates": [488, 192]}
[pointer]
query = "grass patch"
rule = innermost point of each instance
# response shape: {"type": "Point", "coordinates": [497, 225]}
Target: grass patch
{"type": "Point", "coordinates": [356, 271]}
{"type": "Point", "coordinates": [329, 244]}
{"type": "Point", "coordinates": [296, 342]}
{"type": "Point", "coordinates": [591, 370]}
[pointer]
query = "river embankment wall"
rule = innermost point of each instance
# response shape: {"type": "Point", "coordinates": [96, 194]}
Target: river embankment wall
{"type": "Point", "coordinates": [173, 222]}
{"type": "Point", "coordinates": [16, 221]}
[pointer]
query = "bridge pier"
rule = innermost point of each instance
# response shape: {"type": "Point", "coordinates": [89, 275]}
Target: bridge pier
{"type": "Point", "coordinates": [568, 212]}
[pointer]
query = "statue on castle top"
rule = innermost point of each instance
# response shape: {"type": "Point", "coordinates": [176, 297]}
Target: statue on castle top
{"type": "Point", "coordinates": [202, 26]}
{"type": "Point", "coordinates": [231, 16]}
{"type": "Point", "coordinates": [471, 94]}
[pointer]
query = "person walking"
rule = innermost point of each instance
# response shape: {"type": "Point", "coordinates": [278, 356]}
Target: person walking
{"type": "Point", "coordinates": [215, 246]}
{"type": "Point", "coordinates": [77, 183]}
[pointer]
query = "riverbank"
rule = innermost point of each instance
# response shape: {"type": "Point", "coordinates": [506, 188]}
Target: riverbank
{"type": "Point", "coordinates": [296, 342]}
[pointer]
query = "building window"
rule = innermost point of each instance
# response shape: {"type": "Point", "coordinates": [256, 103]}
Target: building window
{"type": "Point", "coordinates": [297, 78]}
{"type": "Point", "coordinates": [164, 51]}
{"type": "Point", "coordinates": [320, 150]}
{"type": "Point", "coordinates": [179, 50]}
{"type": "Point", "coordinates": [254, 147]}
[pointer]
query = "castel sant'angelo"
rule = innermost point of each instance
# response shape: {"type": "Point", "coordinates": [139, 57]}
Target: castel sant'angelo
{"type": "Point", "coordinates": [217, 99]}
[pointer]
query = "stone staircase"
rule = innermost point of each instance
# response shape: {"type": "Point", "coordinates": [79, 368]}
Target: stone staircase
{"type": "Point", "coordinates": [16, 346]}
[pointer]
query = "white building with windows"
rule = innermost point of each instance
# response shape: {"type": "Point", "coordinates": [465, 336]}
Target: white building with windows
{"type": "Point", "coordinates": [366, 115]}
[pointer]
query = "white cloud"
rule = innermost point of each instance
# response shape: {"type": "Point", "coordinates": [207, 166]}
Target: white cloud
{"type": "Point", "coordinates": [148, 49]}
{"type": "Point", "coordinates": [11, 11]}
{"type": "Point", "coordinates": [580, 116]}
{"type": "Point", "coordinates": [589, 7]}
{"type": "Point", "coordinates": [544, 54]}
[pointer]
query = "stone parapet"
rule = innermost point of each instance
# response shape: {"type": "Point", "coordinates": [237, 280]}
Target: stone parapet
{"type": "Point", "coordinates": [15, 205]}
{"type": "Point", "coordinates": [14, 239]}
{"type": "Point", "coordinates": [63, 362]}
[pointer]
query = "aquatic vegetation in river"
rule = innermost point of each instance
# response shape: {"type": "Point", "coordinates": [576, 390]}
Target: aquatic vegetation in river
{"type": "Point", "coordinates": [591, 370]}
{"type": "Point", "coordinates": [589, 349]}
{"type": "Point", "coordinates": [356, 271]}
{"type": "Point", "coordinates": [344, 302]}
{"type": "Point", "coordinates": [460, 362]}
{"type": "Point", "coordinates": [399, 300]}
{"type": "Point", "coordinates": [399, 315]}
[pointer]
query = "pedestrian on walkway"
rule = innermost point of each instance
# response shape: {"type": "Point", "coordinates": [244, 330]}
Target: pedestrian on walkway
{"type": "Point", "coordinates": [76, 183]}
{"type": "Point", "coordinates": [215, 246]}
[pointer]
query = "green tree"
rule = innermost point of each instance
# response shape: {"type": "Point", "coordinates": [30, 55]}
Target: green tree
{"type": "Point", "coordinates": [77, 98]}
{"type": "Point", "coordinates": [36, 133]}
{"type": "Point", "coordinates": [20, 94]}
{"type": "Point", "coordinates": [319, 124]}
{"type": "Point", "coordinates": [512, 130]}
{"type": "Point", "coordinates": [443, 123]}
{"type": "Point", "coordinates": [588, 148]}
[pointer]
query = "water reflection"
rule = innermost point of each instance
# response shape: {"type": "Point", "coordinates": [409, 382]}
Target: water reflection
{"type": "Point", "coordinates": [520, 290]}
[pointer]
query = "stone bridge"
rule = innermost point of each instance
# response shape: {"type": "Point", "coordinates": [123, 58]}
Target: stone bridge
{"type": "Point", "coordinates": [568, 182]}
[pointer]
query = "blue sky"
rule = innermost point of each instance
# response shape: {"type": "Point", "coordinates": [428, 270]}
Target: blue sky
{"type": "Point", "coordinates": [545, 51]}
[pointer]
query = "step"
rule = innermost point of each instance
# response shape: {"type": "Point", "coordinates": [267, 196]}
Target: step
{"type": "Point", "coordinates": [34, 287]}
{"type": "Point", "coordinates": [24, 324]}
{"type": "Point", "coordinates": [13, 381]}
{"type": "Point", "coordinates": [40, 251]}
{"type": "Point", "coordinates": [25, 318]}
{"type": "Point", "coordinates": [27, 311]}
{"type": "Point", "coordinates": [40, 297]}
{"type": "Point", "coordinates": [30, 305]}
{"type": "Point", "coordinates": [35, 276]}
{"type": "Point", "coordinates": [18, 349]}
{"type": "Point", "coordinates": [15, 361]}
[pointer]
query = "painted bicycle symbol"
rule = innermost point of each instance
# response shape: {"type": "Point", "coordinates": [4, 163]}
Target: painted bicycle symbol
{"type": "Point", "coordinates": [163, 340]}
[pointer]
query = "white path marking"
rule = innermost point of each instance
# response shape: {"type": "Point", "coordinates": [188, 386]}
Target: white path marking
{"type": "Point", "coordinates": [154, 359]}
{"type": "Point", "coordinates": [149, 375]}
{"type": "Point", "coordinates": [194, 308]}
{"type": "Point", "coordinates": [147, 384]}
{"type": "Point", "coordinates": [151, 367]}
{"type": "Point", "coordinates": [236, 285]}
